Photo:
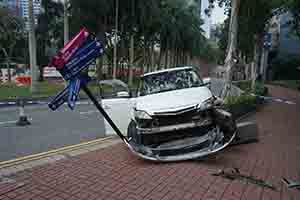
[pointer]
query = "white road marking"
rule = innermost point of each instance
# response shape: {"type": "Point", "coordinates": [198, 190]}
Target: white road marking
{"type": "Point", "coordinates": [88, 112]}
{"type": "Point", "coordinates": [12, 122]}
{"type": "Point", "coordinates": [8, 122]}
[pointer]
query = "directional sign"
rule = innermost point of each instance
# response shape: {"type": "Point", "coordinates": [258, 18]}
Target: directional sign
{"type": "Point", "coordinates": [69, 49]}
{"type": "Point", "coordinates": [76, 56]}
{"type": "Point", "coordinates": [268, 40]}
{"type": "Point", "coordinates": [69, 94]}
{"type": "Point", "coordinates": [60, 99]}
{"type": "Point", "coordinates": [82, 60]}
{"type": "Point", "coordinates": [73, 92]}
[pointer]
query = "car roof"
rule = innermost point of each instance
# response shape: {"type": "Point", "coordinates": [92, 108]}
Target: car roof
{"type": "Point", "coordinates": [167, 70]}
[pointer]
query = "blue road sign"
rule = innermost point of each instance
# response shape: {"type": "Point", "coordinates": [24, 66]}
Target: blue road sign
{"type": "Point", "coordinates": [83, 58]}
{"type": "Point", "coordinates": [69, 94]}
{"type": "Point", "coordinates": [73, 92]}
{"type": "Point", "coordinates": [268, 40]}
{"type": "Point", "coordinates": [85, 51]}
{"type": "Point", "coordinates": [60, 99]}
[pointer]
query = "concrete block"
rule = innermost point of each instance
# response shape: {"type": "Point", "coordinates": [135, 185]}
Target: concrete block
{"type": "Point", "coordinates": [247, 133]}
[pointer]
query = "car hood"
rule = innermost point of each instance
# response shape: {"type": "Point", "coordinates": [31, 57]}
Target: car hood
{"type": "Point", "coordinates": [172, 100]}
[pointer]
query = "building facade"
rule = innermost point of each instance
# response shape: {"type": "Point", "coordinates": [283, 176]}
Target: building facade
{"type": "Point", "coordinates": [25, 13]}
{"type": "Point", "coordinates": [13, 5]}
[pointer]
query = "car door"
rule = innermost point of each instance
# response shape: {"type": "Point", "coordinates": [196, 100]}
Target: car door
{"type": "Point", "coordinates": [120, 111]}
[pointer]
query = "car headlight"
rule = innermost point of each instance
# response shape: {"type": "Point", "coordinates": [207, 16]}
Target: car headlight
{"type": "Point", "coordinates": [207, 104]}
{"type": "Point", "coordinates": [139, 114]}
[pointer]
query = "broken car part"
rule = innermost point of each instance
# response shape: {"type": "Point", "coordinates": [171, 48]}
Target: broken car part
{"type": "Point", "coordinates": [234, 174]}
{"type": "Point", "coordinates": [291, 184]}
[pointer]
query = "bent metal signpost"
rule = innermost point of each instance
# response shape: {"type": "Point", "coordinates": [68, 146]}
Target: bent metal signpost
{"type": "Point", "coordinates": [75, 57]}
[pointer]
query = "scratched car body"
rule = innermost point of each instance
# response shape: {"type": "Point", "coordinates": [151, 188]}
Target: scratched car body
{"type": "Point", "coordinates": [175, 116]}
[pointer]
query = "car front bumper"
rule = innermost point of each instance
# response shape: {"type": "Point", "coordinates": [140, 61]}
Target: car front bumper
{"type": "Point", "coordinates": [176, 127]}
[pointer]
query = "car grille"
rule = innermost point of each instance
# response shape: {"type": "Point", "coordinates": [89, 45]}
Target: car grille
{"type": "Point", "coordinates": [156, 139]}
{"type": "Point", "coordinates": [186, 117]}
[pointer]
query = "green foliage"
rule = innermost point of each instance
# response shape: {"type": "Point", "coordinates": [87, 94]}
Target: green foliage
{"type": "Point", "coordinates": [294, 7]}
{"type": "Point", "coordinates": [259, 88]}
{"type": "Point", "coordinates": [169, 24]}
{"type": "Point", "coordinates": [245, 100]}
{"type": "Point", "coordinates": [49, 32]}
{"type": "Point", "coordinates": [45, 90]}
{"type": "Point", "coordinates": [12, 34]}
{"type": "Point", "coordinates": [286, 69]}
{"type": "Point", "coordinates": [240, 105]}
{"type": "Point", "coordinates": [11, 90]}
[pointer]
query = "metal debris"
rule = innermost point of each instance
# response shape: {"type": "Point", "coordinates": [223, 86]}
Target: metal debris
{"type": "Point", "coordinates": [234, 174]}
{"type": "Point", "coordinates": [291, 184]}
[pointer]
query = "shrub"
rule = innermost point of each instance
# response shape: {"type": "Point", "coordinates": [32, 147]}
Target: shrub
{"type": "Point", "coordinates": [259, 88]}
{"type": "Point", "coordinates": [240, 105]}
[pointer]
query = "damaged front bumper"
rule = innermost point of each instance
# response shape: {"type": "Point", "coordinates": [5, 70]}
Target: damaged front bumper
{"type": "Point", "coordinates": [185, 141]}
{"type": "Point", "coordinates": [201, 147]}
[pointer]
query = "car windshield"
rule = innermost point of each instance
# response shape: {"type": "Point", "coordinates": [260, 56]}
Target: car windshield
{"type": "Point", "coordinates": [167, 81]}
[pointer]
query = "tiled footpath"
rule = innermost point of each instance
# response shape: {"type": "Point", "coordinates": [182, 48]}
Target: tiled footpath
{"type": "Point", "coordinates": [114, 173]}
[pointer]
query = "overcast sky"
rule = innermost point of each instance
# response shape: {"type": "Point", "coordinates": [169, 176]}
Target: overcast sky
{"type": "Point", "coordinates": [218, 15]}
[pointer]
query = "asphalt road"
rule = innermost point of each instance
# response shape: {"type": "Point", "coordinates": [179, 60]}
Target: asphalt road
{"type": "Point", "coordinates": [49, 130]}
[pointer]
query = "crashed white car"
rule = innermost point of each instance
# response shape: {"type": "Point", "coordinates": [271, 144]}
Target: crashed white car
{"type": "Point", "coordinates": [176, 117]}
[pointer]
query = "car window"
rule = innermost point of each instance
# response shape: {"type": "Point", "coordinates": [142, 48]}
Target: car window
{"type": "Point", "coordinates": [167, 81]}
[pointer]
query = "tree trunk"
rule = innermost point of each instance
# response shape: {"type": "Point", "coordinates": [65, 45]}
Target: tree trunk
{"type": "Point", "coordinates": [166, 58]}
{"type": "Point", "coordinates": [232, 40]}
{"type": "Point", "coordinates": [131, 49]}
{"type": "Point", "coordinates": [144, 56]}
{"type": "Point", "coordinates": [7, 64]}
{"type": "Point", "coordinates": [116, 40]}
{"type": "Point", "coordinates": [264, 64]}
{"type": "Point", "coordinates": [159, 58]}
{"type": "Point", "coordinates": [66, 22]}
{"type": "Point", "coordinates": [131, 58]}
{"type": "Point", "coordinates": [99, 67]}
{"type": "Point", "coordinates": [255, 61]}
{"type": "Point", "coordinates": [152, 55]}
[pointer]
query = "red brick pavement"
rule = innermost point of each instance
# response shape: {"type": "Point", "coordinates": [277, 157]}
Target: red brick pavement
{"type": "Point", "coordinates": [114, 173]}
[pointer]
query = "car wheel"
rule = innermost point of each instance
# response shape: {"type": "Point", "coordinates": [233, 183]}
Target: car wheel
{"type": "Point", "coordinates": [132, 131]}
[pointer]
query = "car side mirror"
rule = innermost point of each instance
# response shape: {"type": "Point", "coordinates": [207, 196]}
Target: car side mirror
{"type": "Point", "coordinates": [123, 94]}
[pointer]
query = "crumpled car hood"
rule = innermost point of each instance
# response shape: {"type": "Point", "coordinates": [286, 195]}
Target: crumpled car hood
{"type": "Point", "coordinates": [173, 100]}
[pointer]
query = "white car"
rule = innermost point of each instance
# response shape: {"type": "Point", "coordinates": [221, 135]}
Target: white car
{"type": "Point", "coordinates": [175, 117]}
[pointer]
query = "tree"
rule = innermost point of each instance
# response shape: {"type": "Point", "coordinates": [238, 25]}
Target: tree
{"type": "Point", "coordinates": [11, 33]}
{"type": "Point", "coordinates": [49, 32]}
{"type": "Point", "coordinates": [170, 25]}
{"type": "Point", "coordinates": [294, 7]}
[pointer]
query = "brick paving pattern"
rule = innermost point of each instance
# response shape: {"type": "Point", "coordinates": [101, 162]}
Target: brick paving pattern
{"type": "Point", "coordinates": [114, 173]}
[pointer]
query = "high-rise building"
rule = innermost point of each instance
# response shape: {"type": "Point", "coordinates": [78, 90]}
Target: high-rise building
{"type": "Point", "coordinates": [12, 5]}
{"type": "Point", "coordinates": [25, 13]}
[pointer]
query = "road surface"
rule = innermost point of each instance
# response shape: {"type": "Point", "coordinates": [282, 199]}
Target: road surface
{"type": "Point", "coordinates": [49, 130]}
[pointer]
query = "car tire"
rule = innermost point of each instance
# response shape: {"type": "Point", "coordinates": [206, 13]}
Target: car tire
{"type": "Point", "coordinates": [132, 132]}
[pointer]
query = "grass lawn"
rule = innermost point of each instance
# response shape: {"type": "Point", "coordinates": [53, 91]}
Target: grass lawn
{"type": "Point", "coordinates": [293, 84]}
{"type": "Point", "coordinates": [45, 89]}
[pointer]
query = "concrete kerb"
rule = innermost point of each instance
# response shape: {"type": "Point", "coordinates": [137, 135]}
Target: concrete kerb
{"type": "Point", "coordinates": [14, 166]}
